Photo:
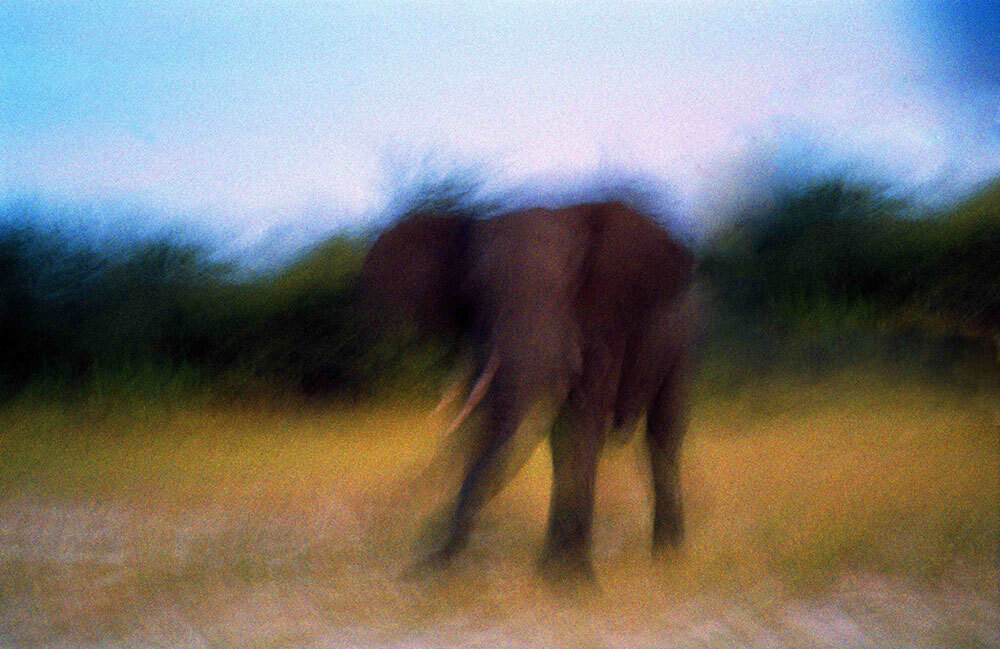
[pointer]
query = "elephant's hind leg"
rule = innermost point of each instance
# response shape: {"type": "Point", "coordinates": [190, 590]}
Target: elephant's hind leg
{"type": "Point", "coordinates": [664, 431]}
{"type": "Point", "coordinates": [576, 445]}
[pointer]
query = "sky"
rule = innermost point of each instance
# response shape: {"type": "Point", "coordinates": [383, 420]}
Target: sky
{"type": "Point", "coordinates": [259, 118]}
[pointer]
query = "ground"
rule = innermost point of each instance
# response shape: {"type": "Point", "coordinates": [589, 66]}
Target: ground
{"type": "Point", "coordinates": [858, 510]}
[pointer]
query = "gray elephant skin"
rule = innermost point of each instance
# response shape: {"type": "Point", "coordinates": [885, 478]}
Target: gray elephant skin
{"type": "Point", "coordinates": [589, 306]}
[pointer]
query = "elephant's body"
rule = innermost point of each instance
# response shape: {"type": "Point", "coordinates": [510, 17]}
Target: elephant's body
{"type": "Point", "coordinates": [586, 305]}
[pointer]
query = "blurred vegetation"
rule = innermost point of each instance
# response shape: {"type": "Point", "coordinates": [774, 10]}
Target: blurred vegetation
{"type": "Point", "coordinates": [823, 275]}
{"type": "Point", "coordinates": [835, 271]}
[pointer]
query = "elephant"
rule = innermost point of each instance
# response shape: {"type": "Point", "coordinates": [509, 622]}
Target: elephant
{"type": "Point", "coordinates": [588, 305]}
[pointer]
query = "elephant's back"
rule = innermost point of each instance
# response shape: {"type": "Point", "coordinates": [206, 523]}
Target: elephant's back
{"type": "Point", "coordinates": [525, 273]}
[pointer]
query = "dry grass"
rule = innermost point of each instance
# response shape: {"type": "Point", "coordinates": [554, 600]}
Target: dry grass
{"type": "Point", "coordinates": [855, 511]}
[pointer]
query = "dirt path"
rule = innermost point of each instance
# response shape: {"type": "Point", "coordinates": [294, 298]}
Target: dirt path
{"type": "Point", "coordinates": [868, 519]}
{"type": "Point", "coordinates": [104, 576]}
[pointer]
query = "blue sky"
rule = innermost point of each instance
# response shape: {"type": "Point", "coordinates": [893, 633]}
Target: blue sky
{"type": "Point", "coordinates": [255, 116]}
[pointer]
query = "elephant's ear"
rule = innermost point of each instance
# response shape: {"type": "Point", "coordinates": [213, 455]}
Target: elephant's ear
{"type": "Point", "coordinates": [413, 273]}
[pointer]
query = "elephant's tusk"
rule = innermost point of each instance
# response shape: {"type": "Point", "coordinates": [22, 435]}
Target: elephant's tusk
{"type": "Point", "coordinates": [458, 380]}
{"type": "Point", "coordinates": [476, 393]}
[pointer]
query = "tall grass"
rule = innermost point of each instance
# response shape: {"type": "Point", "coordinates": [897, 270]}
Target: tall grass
{"type": "Point", "coordinates": [870, 498]}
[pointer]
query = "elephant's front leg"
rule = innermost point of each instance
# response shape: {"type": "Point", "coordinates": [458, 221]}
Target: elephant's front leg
{"type": "Point", "coordinates": [485, 474]}
{"type": "Point", "coordinates": [665, 429]}
{"type": "Point", "coordinates": [576, 446]}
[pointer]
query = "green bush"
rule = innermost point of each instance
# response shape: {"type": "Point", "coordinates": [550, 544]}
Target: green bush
{"type": "Point", "coordinates": [829, 273]}
{"type": "Point", "coordinates": [834, 271]}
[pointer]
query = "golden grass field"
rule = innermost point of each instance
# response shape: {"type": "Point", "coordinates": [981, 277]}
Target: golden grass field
{"type": "Point", "coordinates": [856, 510]}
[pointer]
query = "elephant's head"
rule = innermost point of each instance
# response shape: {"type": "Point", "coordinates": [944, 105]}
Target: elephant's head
{"type": "Point", "coordinates": [506, 284]}
{"type": "Point", "coordinates": [413, 273]}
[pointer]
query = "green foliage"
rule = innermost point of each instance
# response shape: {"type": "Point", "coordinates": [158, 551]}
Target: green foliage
{"type": "Point", "coordinates": [37, 281]}
{"type": "Point", "coordinates": [302, 328]}
{"type": "Point", "coordinates": [828, 273]}
{"type": "Point", "coordinates": [961, 270]}
{"type": "Point", "coordinates": [70, 310]}
{"type": "Point", "coordinates": [836, 268]}
{"type": "Point", "coordinates": [826, 244]}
